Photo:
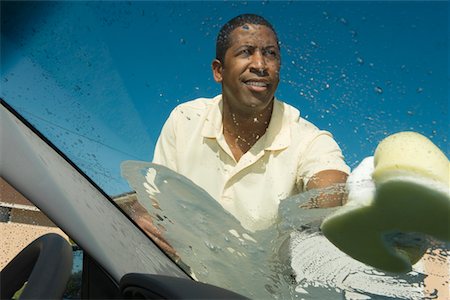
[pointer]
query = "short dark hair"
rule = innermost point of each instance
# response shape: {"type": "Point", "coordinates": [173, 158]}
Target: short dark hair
{"type": "Point", "coordinates": [223, 41]}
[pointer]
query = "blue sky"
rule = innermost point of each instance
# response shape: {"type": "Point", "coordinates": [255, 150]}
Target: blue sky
{"type": "Point", "coordinates": [100, 78]}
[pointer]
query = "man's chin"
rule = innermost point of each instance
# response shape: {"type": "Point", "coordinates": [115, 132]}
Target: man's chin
{"type": "Point", "coordinates": [259, 103]}
{"type": "Point", "coordinates": [262, 98]}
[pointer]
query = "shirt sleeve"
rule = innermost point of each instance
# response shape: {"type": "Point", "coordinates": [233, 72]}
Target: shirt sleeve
{"type": "Point", "coordinates": [165, 149]}
{"type": "Point", "coordinates": [322, 153]}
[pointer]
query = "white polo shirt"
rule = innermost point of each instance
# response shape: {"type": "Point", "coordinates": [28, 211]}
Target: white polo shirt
{"type": "Point", "coordinates": [277, 166]}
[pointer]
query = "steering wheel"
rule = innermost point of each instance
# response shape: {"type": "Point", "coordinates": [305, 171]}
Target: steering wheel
{"type": "Point", "coordinates": [46, 263]}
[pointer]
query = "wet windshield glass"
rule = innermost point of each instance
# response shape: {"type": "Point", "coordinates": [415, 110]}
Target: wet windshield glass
{"type": "Point", "coordinates": [99, 79]}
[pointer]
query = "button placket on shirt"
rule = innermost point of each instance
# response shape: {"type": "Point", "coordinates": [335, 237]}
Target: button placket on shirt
{"type": "Point", "coordinates": [226, 167]}
{"type": "Point", "coordinates": [246, 161]}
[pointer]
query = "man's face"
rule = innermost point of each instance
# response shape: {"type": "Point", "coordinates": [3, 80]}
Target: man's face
{"type": "Point", "coordinates": [250, 72]}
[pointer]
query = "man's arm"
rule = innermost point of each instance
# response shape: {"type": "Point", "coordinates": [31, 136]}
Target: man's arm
{"type": "Point", "coordinates": [324, 179]}
{"type": "Point", "coordinates": [165, 148]}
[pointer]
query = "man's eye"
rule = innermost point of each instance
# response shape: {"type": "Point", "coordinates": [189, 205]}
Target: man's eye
{"type": "Point", "coordinates": [271, 53]}
{"type": "Point", "coordinates": [245, 52]}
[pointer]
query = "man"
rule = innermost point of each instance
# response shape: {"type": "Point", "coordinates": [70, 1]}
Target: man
{"type": "Point", "coordinates": [247, 149]}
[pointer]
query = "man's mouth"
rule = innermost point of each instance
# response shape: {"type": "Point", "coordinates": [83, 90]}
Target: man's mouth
{"type": "Point", "coordinates": [256, 86]}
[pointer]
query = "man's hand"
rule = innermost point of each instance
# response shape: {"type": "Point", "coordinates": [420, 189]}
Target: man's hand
{"type": "Point", "coordinates": [145, 222]}
{"type": "Point", "coordinates": [325, 179]}
{"type": "Point", "coordinates": [143, 219]}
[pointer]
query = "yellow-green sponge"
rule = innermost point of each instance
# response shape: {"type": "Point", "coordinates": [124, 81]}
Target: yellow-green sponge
{"type": "Point", "coordinates": [411, 200]}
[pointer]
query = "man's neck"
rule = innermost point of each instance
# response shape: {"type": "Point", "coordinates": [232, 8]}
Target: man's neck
{"type": "Point", "coordinates": [243, 130]}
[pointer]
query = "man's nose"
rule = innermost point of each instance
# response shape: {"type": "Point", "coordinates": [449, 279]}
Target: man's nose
{"type": "Point", "coordinates": [258, 63]}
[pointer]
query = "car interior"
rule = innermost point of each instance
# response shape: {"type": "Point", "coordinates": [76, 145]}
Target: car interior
{"type": "Point", "coordinates": [112, 268]}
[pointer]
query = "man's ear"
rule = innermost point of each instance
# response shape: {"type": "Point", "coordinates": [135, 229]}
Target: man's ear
{"type": "Point", "coordinates": [217, 70]}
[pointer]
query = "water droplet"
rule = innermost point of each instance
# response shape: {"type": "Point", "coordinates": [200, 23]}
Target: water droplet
{"type": "Point", "coordinates": [378, 90]}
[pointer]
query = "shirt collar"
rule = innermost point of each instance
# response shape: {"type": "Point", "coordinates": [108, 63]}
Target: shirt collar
{"type": "Point", "coordinates": [212, 128]}
{"type": "Point", "coordinates": [278, 134]}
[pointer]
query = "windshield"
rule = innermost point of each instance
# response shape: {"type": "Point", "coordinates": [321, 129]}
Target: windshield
{"type": "Point", "coordinates": [99, 79]}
